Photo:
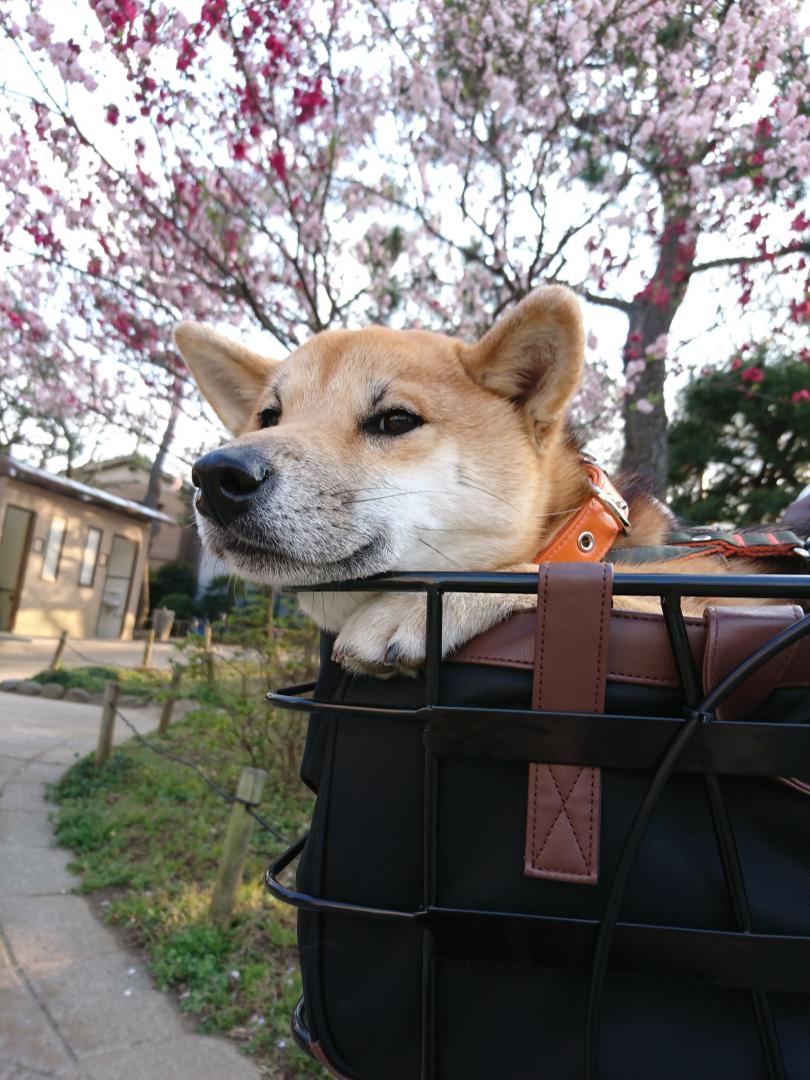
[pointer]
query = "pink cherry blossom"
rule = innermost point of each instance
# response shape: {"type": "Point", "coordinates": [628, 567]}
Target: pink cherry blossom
{"type": "Point", "coordinates": [294, 167]}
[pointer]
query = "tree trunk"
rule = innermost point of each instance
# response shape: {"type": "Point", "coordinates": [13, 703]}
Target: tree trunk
{"type": "Point", "coordinates": [651, 315]}
{"type": "Point", "coordinates": [152, 496]}
{"type": "Point", "coordinates": [645, 433]}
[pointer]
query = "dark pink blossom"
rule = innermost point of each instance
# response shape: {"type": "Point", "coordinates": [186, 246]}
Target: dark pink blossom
{"type": "Point", "coordinates": [278, 164]}
{"type": "Point", "coordinates": [753, 375]}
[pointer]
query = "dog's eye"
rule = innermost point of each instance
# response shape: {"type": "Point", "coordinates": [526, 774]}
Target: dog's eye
{"type": "Point", "coordinates": [393, 422]}
{"type": "Point", "coordinates": [269, 417]}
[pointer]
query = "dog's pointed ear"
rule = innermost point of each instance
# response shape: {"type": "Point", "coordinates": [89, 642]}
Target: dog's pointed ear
{"type": "Point", "coordinates": [534, 356]}
{"type": "Point", "coordinates": [230, 377]}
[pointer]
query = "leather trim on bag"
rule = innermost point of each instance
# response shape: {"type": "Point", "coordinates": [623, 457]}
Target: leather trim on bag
{"type": "Point", "coordinates": [639, 652]}
{"type": "Point", "coordinates": [570, 667]}
{"type": "Point", "coordinates": [733, 633]}
{"type": "Point", "coordinates": [307, 1044]}
{"type": "Point", "coordinates": [317, 1052]}
{"type": "Point", "coordinates": [638, 649]}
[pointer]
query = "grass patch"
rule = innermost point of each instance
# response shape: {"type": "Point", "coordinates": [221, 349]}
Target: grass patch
{"type": "Point", "coordinates": [93, 679]}
{"type": "Point", "coordinates": [149, 832]}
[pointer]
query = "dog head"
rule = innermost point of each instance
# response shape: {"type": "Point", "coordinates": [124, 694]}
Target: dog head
{"type": "Point", "coordinates": [376, 450]}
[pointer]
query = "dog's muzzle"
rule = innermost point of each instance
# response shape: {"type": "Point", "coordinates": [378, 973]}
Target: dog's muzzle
{"type": "Point", "coordinates": [230, 482]}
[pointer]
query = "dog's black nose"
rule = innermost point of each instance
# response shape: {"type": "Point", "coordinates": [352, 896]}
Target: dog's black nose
{"type": "Point", "coordinates": [229, 481]}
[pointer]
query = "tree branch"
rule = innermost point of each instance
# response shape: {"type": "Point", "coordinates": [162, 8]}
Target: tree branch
{"type": "Point", "coordinates": [801, 247]}
{"type": "Point", "coordinates": [625, 306]}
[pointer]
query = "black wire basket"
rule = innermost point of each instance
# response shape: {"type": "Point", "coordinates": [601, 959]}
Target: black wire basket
{"type": "Point", "coordinates": [693, 741]}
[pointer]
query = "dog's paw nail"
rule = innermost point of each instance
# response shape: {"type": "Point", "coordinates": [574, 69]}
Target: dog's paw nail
{"type": "Point", "coordinates": [338, 653]}
{"type": "Point", "coordinates": [393, 651]}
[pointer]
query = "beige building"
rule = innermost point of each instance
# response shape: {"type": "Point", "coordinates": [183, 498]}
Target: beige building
{"type": "Point", "coordinates": [174, 540]}
{"type": "Point", "coordinates": [71, 556]}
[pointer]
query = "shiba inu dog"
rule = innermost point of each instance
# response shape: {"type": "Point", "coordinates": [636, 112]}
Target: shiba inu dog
{"type": "Point", "coordinates": [377, 450]}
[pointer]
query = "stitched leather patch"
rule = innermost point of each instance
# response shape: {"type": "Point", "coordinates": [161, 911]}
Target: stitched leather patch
{"type": "Point", "coordinates": [563, 823]}
{"type": "Point", "coordinates": [570, 668]}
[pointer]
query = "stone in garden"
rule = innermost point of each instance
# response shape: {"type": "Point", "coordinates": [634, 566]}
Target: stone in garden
{"type": "Point", "coordinates": [9, 684]}
{"type": "Point", "coordinates": [29, 687]}
{"type": "Point", "coordinates": [76, 693]}
{"type": "Point", "coordinates": [53, 690]}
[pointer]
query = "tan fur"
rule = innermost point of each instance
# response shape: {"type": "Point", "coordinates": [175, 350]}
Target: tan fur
{"type": "Point", "coordinates": [483, 484]}
{"type": "Point", "coordinates": [230, 376]}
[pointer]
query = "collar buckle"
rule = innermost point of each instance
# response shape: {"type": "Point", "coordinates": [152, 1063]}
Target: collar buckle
{"type": "Point", "coordinates": [613, 503]}
{"type": "Point", "coordinates": [590, 533]}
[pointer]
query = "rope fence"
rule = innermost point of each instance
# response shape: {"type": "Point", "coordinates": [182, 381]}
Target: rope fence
{"type": "Point", "coordinates": [226, 796]}
{"type": "Point", "coordinates": [146, 664]}
{"type": "Point", "coordinates": [243, 802]}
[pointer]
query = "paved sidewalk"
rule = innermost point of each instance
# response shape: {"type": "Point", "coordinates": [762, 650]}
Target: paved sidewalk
{"type": "Point", "coordinates": [75, 1004]}
{"type": "Point", "coordinates": [22, 657]}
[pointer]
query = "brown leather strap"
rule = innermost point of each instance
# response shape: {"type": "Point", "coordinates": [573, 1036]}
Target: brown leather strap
{"type": "Point", "coordinates": [732, 634]}
{"type": "Point", "coordinates": [570, 668]}
{"type": "Point", "coordinates": [639, 650]}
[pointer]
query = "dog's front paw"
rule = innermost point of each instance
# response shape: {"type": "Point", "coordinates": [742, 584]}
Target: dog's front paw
{"type": "Point", "coordinates": [385, 637]}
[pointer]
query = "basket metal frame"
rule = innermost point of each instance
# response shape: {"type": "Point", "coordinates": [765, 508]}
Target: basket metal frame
{"type": "Point", "coordinates": [694, 741]}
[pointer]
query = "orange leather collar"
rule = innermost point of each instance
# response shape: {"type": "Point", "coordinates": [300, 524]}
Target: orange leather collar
{"type": "Point", "coordinates": [592, 531]}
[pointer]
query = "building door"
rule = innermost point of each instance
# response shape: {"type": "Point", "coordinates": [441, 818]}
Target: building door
{"type": "Point", "coordinates": [116, 588]}
{"type": "Point", "coordinates": [15, 541]}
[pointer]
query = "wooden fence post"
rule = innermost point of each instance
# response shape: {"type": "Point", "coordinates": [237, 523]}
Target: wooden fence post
{"type": "Point", "coordinates": [237, 838]}
{"type": "Point", "coordinates": [146, 664]}
{"type": "Point", "coordinates": [105, 735]}
{"type": "Point", "coordinates": [56, 663]}
{"type": "Point", "coordinates": [210, 669]}
{"type": "Point", "coordinates": [168, 704]}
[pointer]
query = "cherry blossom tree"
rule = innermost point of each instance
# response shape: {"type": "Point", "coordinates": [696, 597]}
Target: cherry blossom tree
{"type": "Point", "coordinates": [294, 167]}
{"type": "Point", "coordinates": [138, 189]}
{"type": "Point", "coordinates": [638, 150]}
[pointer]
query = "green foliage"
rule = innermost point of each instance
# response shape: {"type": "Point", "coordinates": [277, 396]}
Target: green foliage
{"type": "Point", "coordinates": [85, 781]}
{"type": "Point", "coordinates": [394, 243]}
{"type": "Point", "coordinates": [222, 594]}
{"type": "Point", "coordinates": [595, 168]}
{"type": "Point", "coordinates": [171, 579]}
{"type": "Point", "coordinates": [148, 831]}
{"type": "Point", "coordinates": [740, 450]}
{"type": "Point", "coordinates": [670, 34]}
{"type": "Point", "coordinates": [259, 654]}
{"type": "Point", "coordinates": [195, 957]}
{"type": "Point", "coordinates": [181, 604]}
{"type": "Point", "coordinates": [93, 679]}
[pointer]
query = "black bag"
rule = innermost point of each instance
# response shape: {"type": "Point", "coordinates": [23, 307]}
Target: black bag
{"type": "Point", "coordinates": [458, 922]}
